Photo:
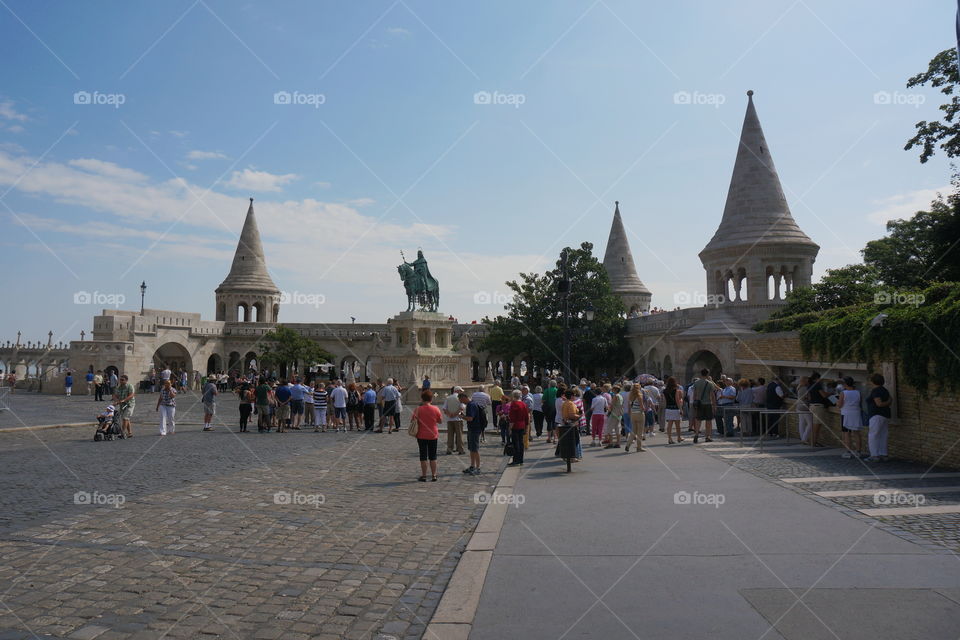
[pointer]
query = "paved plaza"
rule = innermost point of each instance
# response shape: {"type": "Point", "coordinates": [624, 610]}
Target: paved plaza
{"type": "Point", "coordinates": [304, 535]}
{"type": "Point", "coordinates": [226, 535]}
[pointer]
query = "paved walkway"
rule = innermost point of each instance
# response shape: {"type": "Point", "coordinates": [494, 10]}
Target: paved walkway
{"type": "Point", "coordinates": [227, 535]}
{"type": "Point", "coordinates": [677, 543]}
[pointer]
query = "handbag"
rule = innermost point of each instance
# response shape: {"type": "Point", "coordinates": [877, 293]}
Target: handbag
{"type": "Point", "coordinates": [508, 449]}
{"type": "Point", "coordinates": [414, 427]}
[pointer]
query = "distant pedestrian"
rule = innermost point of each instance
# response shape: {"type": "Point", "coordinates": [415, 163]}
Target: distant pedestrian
{"type": "Point", "coordinates": [320, 407]}
{"type": "Point", "coordinates": [308, 412]}
{"type": "Point", "coordinates": [476, 419]}
{"type": "Point", "coordinates": [453, 411]}
{"type": "Point", "coordinates": [705, 402]}
{"type": "Point", "coordinates": [852, 421]}
{"type": "Point", "coordinates": [89, 380]}
{"type": "Point", "coordinates": [673, 404]}
{"type": "Point", "coordinates": [482, 400]}
{"type": "Point", "coordinates": [167, 406]}
{"type": "Point", "coordinates": [338, 398]}
{"type": "Point", "coordinates": [98, 385]}
{"type": "Point", "coordinates": [598, 416]}
{"type": "Point", "coordinates": [878, 411]}
{"type": "Point", "coordinates": [427, 418]}
{"type": "Point", "coordinates": [519, 416]}
{"type": "Point", "coordinates": [817, 399]}
{"type": "Point", "coordinates": [126, 403]}
{"type": "Point", "coordinates": [68, 383]}
{"type": "Point", "coordinates": [369, 408]}
{"type": "Point", "coordinates": [264, 396]}
{"type": "Point", "coordinates": [209, 400]}
{"type": "Point", "coordinates": [247, 398]}
{"type": "Point", "coordinates": [611, 429]}
{"type": "Point", "coordinates": [537, 408]}
{"type": "Point", "coordinates": [637, 408]}
{"type": "Point", "coordinates": [283, 396]}
{"type": "Point", "coordinates": [804, 417]}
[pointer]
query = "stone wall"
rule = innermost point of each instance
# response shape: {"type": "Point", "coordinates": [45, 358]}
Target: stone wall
{"type": "Point", "coordinates": [923, 430]}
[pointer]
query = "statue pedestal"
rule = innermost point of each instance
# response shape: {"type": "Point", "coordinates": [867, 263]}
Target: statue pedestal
{"type": "Point", "coordinates": [421, 344]}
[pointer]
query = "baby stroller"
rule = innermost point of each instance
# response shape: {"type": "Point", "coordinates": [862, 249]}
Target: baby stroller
{"type": "Point", "coordinates": [109, 431]}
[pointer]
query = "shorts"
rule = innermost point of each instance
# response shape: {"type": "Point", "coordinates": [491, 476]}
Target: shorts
{"type": "Point", "coordinates": [126, 412]}
{"type": "Point", "coordinates": [705, 411]}
{"type": "Point", "coordinates": [263, 409]}
{"type": "Point", "coordinates": [390, 408]}
{"type": "Point", "coordinates": [428, 449]}
{"type": "Point", "coordinates": [296, 407]}
{"type": "Point", "coordinates": [473, 439]}
{"type": "Point", "coordinates": [282, 411]}
{"type": "Point", "coordinates": [672, 415]}
{"type": "Point", "coordinates": [340, 412]}
{"type": "Point", "coordinates": [210, 407]}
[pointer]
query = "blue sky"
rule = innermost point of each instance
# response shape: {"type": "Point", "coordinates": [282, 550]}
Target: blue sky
{"type": "Point", "coordinates": [388, 150]}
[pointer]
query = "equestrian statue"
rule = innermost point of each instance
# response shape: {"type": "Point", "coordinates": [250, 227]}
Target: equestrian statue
{"type": "Point", "coordinates": [422, 289]}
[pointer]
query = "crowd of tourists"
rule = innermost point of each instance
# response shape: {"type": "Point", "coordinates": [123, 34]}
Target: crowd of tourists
{"type": "Point", "coordinates": [609, 414]}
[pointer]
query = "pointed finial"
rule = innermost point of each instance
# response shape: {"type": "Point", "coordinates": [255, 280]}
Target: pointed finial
{"type": "Point", "coordinates": [750, 93]}
{"type": "Point", "coordinates": [251, 200]}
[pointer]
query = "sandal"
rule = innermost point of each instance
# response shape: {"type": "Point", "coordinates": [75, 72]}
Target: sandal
{"type": "Point", "coordinates": [433, 479]}
{"type": "Point", "coordinates": [669, 441]}
{"type": "Point", "coordinates": [422, 479]}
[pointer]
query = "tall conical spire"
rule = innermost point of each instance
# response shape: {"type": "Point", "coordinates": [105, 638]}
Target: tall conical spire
{"type": "Point", "coordinates": [249, 268]}
{"type": "Point", "coordinates": [756, 211]}
{"type": "Point", "coordinates": [618, 261]}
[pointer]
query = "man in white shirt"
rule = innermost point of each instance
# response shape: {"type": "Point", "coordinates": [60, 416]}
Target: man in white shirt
{"type": "Point", "coordinates": [726, 396]}
{"type": "Point", "coordinates": [338, 398]}
{"type": "Point", "coordinates": [453, 412]}
{"type": "Point", "coordinates": [598, 417]}
{"type": "Point", "coordinates": [482, 400]}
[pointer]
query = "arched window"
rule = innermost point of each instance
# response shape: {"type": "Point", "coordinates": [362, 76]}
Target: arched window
{"type": "Point", "coordinates": [243, 312]}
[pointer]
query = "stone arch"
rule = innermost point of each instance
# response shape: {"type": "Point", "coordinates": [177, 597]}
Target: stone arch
{"type": "Point", "coordinates": [214, 363]}
{"type": "Point", "coordinates": [243, 312]}
{"type": "Point", "coordinates": [703, 359]}
{"type": "Point", "coordinates": [256, 312]}
{"type": "Point", "coordinates": [174, 355]}
{"type": "Point", "coordinates": [233, 361]}
{"type": "Point", "coordinates": [250, 362]}
{"type": "Point", "coordinates": [667, 366]}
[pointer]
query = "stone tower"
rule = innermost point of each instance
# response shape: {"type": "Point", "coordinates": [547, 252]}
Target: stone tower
{"type": "Point", "coordinates": [618, 261]}
{"type": "Point", "coordinates": [248, 294]}
{"type": "Point", "coordinates": [758, 252]}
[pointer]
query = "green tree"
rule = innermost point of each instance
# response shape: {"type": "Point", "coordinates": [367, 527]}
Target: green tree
{"type": "Point", "coordinates": [533, 322]}
{"type": "Point", "coordinates": [921, 249]}
{"type": "Point", "coordinates": [941, 73]}
{"type": "Point", "coordinates": [291, 351]}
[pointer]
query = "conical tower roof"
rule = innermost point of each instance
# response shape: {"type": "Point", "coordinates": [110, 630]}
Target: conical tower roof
{"type": "Point", "coordinates": [618, 260]}
{"type": "Point", "coordinates": [249, 269]}
{"type": "Point", "coordinates": [756, 212]}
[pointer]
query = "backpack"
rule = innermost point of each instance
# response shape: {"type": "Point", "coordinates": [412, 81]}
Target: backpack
{"type": "Point", "coordinates": [353, 399]}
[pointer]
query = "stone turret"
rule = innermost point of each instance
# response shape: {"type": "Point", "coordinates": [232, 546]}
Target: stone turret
{"type": "Point", "coordinates": [248, 293]}
{"type": "Point", "coordinates": [618, 261]}
{"type": "Point", "coordinates": [758, 252]}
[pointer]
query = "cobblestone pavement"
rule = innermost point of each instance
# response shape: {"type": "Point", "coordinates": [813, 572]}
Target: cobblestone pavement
{"type": "Point", "coordinates": [937, 531]}
{"type": "Point", "coordinates": [227, 535]}
{"type": "Point", "coordinates": [22, 409]}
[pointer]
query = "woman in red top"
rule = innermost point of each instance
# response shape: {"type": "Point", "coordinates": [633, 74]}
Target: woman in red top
{"type": "Point", "coordinates": [428, 419]}
{"type": "Point", "coordinates": [519, 419]}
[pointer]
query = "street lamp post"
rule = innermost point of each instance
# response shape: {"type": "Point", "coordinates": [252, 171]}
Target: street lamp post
{"type": "Point", "coordinates": [564, 291]}
{"type": "Point", "coordinates": [143, 292]}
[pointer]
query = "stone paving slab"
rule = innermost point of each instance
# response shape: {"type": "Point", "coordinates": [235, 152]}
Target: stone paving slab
{"type": "Point", "coordinates": [295, 535]}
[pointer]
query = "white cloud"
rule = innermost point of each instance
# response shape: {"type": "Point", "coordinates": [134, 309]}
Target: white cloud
{"type": "Point", "coordinates": [178, 134]}
{"type": "Point", "coordinates": [904, 205]}
{"type": "Point", "coordinates": [16, 129]}
{"type": "Point", "coordinates": [108, 169]}
{"type": "Point", "coordinates": [7, 112]}
{"type": "Point", "coordinates": [250, 180]}
{"type": "Point", "coordinates": [398, 31]}
{"type": "Point", "coordinates": [204, 155]}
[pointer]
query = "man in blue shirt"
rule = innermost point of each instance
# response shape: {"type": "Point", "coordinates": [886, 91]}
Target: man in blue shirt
{"type": "Point", "coordinates": [89, 382]}
{"type": "Point", "coordinates": [282, 412]}
{"type": "Point", "coordinates": [296, 403]}
{"type": "Point", "coordinates": [369, 408]}
{"type": "Point", "coordinates": [476, 421]}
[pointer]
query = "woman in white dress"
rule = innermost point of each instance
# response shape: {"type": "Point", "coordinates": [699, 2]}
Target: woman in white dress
{"type": "Point", "coordinates": [848, 401]}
